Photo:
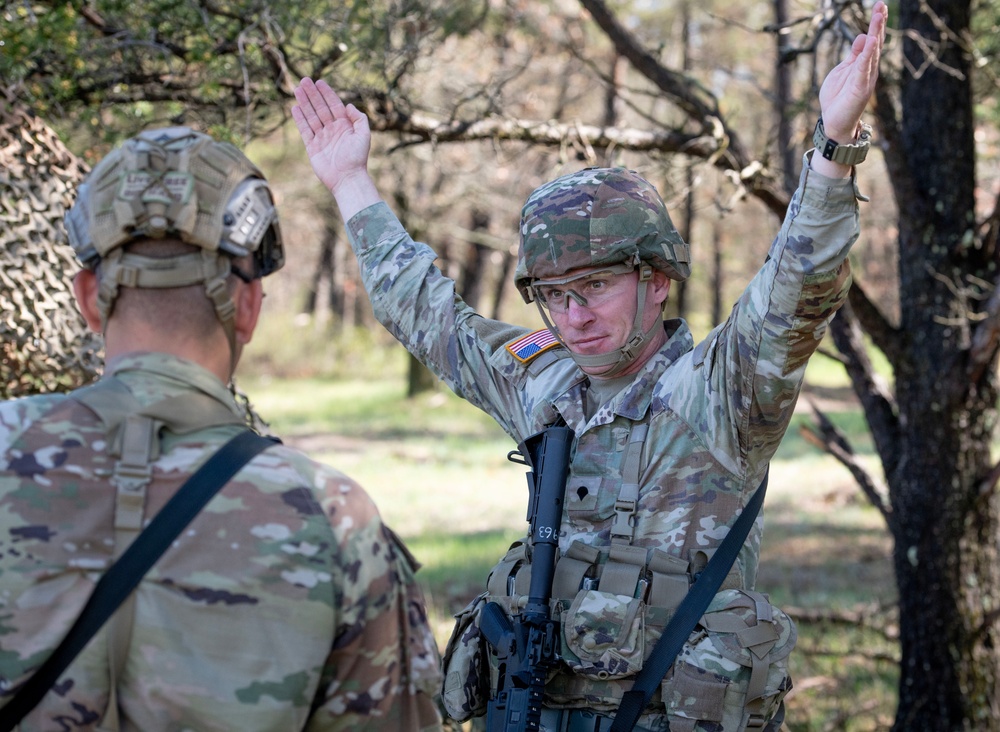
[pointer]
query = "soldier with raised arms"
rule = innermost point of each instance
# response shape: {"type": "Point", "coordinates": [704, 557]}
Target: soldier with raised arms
{"type": "Point", "coordinates": [286, 604]}
{"type": "Point", "coordinates": [671, 439]}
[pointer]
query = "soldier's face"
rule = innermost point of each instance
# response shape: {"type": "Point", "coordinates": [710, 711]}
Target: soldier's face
{"type": "Point", "coordinates": [603, 324]}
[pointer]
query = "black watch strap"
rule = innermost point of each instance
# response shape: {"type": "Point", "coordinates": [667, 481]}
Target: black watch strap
{"type": "Point", "coordinates": [845, 154]}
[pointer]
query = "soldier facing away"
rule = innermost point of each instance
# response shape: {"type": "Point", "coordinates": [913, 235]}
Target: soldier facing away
{"type": "Point", "coordinates": [670, 439]}
{"type": "Point", "coordinates": [286, 604]}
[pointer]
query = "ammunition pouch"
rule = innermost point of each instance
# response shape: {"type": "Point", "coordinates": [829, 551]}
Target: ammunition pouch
{"type": "Point", "coordinates": [603, 635]}
{"type": "Point", "coordinates": [732, 671]}
{"type": "Point", "coordinates": [467, 680]}
{"type": "Point", "coordinates": [743, 643]}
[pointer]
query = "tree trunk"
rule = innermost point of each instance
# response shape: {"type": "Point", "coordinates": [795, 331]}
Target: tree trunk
{"type": "Point", "coordinates": [500, 288]}
{"type": "Point", "coordinates": [321, 296]}
{"type": "Point", "coordinates": [719, 240]}
{"type": "Point", "coordinates": [612, 99]}
{"type": "Point", "coordinates": [476, 260]}
{"type": "Point", "coordinates": [945, 560]}
{"type": "Point", "coordinates": [945, 524]}
{"type": "Point", "coordinates": [681, 288]}
{"type": "Point", "coordinates": [787, 147]}
{"type": "Point", "coordinates": [419, 378]}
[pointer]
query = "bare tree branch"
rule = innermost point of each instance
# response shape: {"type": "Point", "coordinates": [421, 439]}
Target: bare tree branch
{"type": "Point", "coordinates": [889, 141]}
{"type": "Point", "coordinates": [95, 19]}
{"type": "Point", "coordinates": [988, 485]}
{"type": "Point", "coordinates": [829, 438]}
{"type": "Point", "coordinates": [386, 117]}
{"type": "Point", "coordinates": [700, 105]}
{"type": "Point", "coordinates": [874, 323]}
{"type": "Point", "coordinates": [861, 618]}
{"type": "Point", "coordinates": [985, 340]}
{"type": "Point", "coordinates": [875, 396]}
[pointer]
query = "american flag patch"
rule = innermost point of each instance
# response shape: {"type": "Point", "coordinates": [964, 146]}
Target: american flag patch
{"type": "Point", "coordinates": [524, 349]}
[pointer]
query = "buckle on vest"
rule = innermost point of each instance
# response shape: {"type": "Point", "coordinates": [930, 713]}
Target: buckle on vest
{"type": "Point", "coordinates": [623, 525]}
{"type": "Point", "coordinates": [132, 477]}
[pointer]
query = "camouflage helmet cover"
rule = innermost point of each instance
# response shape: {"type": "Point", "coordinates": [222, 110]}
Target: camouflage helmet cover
{"type": "Point", "coordinates": [592, 218]}
{"type": "Point", "coordinates": [175, 181]}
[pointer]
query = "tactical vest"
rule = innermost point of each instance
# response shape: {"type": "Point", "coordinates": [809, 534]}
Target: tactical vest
{"type": "Point", "coordinates": [134, 434]}
{"type": "Point", "coordinates": [612, 603]}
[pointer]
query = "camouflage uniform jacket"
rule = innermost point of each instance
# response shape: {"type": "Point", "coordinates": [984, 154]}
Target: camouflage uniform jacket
{"type": "Point", "coordinates": [285, 605]}
{"type": "Point", "coordinates": [716, 411]}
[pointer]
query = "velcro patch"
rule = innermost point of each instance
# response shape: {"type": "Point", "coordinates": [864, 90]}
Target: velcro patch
{"type": "Point", "coordinates": [526, 348]}
{"type": "Point", "coordinates": [159, 188]}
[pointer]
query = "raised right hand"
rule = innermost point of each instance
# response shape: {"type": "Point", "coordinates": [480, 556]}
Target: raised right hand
{"type": "Point", "coordinates": [337, 137]}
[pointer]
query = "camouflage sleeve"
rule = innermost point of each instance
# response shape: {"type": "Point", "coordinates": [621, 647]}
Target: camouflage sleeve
{"type": "Point", "coordinates": [383, 671]}
{"type": "Point", "coordinates": [420, 307]}
{"type": "Point", "coordinates": [756, 360]}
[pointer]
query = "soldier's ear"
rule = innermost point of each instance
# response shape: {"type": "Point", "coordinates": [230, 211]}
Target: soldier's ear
{"type": "Point", "coordinates": [248, 298]}
{"type": "Point", "coordinates": [659, 288]}
{"type": "Point", "coordinates": [85, 289]}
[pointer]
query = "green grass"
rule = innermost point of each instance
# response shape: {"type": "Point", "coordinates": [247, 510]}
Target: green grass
{"type": "Point", "coordinates": [437, 468]}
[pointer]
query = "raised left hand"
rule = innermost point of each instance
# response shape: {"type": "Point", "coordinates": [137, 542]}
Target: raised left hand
{"type": "Point", "coordinates": [850, 84]}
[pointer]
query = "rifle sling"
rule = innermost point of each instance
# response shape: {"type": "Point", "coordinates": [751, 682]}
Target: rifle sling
{"type": "Point", "coordinates": [688, 613]}
{"type": "Point", "coordinates": [122, 577]}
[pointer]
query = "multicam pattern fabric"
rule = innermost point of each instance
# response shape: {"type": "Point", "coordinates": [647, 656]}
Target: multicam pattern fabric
{"type": "Point", "coordinates": [286, 604]}
{"type": "Point", "coordinates": [594, 218]}
{"type": "Point", "coordinates": [716, 412]}
{"type": "Point", "coordinates": [731, 643]}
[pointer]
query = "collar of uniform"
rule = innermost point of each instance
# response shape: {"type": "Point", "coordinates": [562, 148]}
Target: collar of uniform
{"type": "Point", "coordinates": [633, 401]}
{"type": "Point", "coordinates": [180, 370]}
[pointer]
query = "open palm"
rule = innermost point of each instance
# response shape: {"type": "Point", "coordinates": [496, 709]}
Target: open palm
{"type": "Point", "coordinates": [849, 85]}
{"type": "Point", "coordinates": [336, 137]}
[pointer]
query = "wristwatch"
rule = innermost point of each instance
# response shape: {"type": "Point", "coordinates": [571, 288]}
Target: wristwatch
{"type": "Point", "coordinates": [851, 154]}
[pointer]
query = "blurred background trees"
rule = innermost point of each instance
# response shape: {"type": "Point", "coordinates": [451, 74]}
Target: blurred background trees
{"type": "Point", "coordinates": [476, 102]}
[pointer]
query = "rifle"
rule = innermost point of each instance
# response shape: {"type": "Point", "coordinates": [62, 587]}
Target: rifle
{"type": "Point", "coordinates": [526, 645]}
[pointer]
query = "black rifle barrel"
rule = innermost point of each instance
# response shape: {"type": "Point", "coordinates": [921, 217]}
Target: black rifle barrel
{"type": "Point", "coordinates": [550, 466]}
{"type": "Point", "coordinates": [526, 646]}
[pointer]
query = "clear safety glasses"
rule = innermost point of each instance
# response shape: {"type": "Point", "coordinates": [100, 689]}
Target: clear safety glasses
{"type": "Point", "coordinates": [590, 289]}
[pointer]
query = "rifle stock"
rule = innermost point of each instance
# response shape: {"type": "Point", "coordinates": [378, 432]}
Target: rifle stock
{"type": "Point", "coordinates": [526, 644]}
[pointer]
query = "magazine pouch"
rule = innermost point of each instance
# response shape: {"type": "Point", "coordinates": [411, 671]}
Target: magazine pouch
{"type": "Point", "coordinates": [732, 673]}
{"type": "Point", "coordinates": [466, 688]}
{"type": "Point", "coordinates": [603, 634]}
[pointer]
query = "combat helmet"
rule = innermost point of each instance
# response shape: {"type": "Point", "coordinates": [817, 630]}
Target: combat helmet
{"type": "Point", "coordinates": [593, 220]}
{"type": "Point", "coordinates": [179, 183]}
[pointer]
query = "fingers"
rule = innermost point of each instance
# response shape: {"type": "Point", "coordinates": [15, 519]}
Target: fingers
{"type": "Point", "coordinates": [866, 50]}
{"type": "Point", "coordinates": [305, 129]}
{"type": "Point", "coordinates": [318, 105]}
{"type": "Point", "coordinates": [876, 32]}
{"type": "Point", "coordinates": [876, 26]}
{"type": "Point", "coordinates": [304, 113]}
{"type": "Point", "coordinates": [875, 39]}
{"type": "Point", "coordinates": [858, 47]}
{"type": "Point", "coordinates": [357, 118]}
{"type": "Point", "coordinates": [330, 106]}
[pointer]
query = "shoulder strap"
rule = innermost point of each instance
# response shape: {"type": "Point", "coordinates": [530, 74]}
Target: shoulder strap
{"type": "Point", "coordinates": [692, 607]}
{"type": "Point", "coordinates": [123, 576]}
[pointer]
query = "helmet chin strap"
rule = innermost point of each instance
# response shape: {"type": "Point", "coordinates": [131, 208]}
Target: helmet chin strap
{"type": "Point", "coordinates": [620, 359]}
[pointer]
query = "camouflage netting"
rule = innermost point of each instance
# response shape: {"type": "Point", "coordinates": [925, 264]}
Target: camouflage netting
{"type": "Point", "coordinates": [44, 343]}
